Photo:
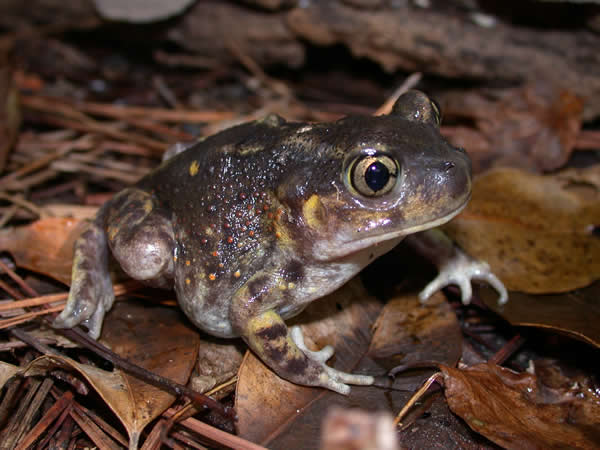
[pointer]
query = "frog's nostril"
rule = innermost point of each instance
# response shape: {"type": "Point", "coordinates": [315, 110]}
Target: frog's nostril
{"type": "Point", "coordinates": [447, 166]}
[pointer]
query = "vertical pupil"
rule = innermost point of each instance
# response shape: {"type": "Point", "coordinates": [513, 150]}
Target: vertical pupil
{"type": "Point", "coordinates": [377, 175]}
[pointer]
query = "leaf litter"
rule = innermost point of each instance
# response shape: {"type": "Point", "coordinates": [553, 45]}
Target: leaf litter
{"type": "Point", "coordinates": [533, 127]}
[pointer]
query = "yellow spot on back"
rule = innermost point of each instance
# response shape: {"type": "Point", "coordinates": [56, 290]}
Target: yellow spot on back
{"type": "Point", "coordinates": [212, 277]}
{"type": "Point", "coordinates": [148, 206]}
{"type": "Point", "coordinates": [188, 281]}
{"type": "Point", "coordinates": [237, 274]}
{"type": "Point", "coordinates": [194, 166]}
{"type": "Point", "coordinates": [291, 285]}
{"type": "Point", "coordinates": [187, 263]}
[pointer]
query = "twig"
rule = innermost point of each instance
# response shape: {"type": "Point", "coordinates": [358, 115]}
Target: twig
{"type": "Point", "coordinates": [26, 317]}
{"type": "Point", "coordinates": [93, 431]}
{"type": "Point", "coordinates": [84, 340]}
{"type": "Point", "coordinates": [21, 202]}
{"type": "Point", "coordinates": [124, 112]}
{"type": "Point", "coordinates": [59, 406]}
{"type": "Point", "coordinates": [436, 377]}
{"type": "Point", "coordinates": [17, 279]}
{"type": "Point", "coordinates": [215, 434]}
{"type": "Point", "coordinates": [507, 350]}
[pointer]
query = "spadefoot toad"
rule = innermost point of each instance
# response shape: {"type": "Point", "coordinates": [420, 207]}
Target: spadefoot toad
{"type": "Point", "coordinates": [251, 224]}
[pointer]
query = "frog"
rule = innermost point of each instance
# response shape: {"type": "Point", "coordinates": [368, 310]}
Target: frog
{"type": "Point", "coordinates": [252, 224]}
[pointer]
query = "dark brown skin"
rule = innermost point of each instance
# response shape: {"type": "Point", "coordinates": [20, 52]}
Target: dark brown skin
{"type": "Point", "coordinates": [253, 223]}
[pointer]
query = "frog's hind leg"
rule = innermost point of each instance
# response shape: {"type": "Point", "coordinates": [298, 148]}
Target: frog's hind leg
{"type": "Point", "coordinates": [140, 237]}
{"type": "Point", "coordinates": [284, 351]}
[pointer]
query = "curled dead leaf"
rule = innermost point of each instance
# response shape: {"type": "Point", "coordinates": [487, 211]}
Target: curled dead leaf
{"type": "Point", "coordinates": [514, 411]}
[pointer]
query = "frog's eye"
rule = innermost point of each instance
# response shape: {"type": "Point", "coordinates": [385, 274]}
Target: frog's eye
{"type": "Point", "coordinates": [373, 175]}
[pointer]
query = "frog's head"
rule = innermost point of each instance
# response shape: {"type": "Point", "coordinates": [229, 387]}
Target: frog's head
{"type": "Point", "coordinates": [379, 179]}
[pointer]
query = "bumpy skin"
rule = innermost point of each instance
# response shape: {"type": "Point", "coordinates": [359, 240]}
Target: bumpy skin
{"type": "Point", "coordinates": [253, 223]}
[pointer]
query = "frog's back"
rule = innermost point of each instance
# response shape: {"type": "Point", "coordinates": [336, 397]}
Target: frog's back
{"type": "Point", "coordinates": [222, 194]}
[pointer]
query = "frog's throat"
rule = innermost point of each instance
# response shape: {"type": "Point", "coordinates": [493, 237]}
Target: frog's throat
{"type": "Point", "coordinates": [353, 246]}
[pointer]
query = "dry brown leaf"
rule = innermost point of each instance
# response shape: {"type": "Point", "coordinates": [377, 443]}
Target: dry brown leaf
{"type": "Point", "coordinates": [45, 246]}
{"type": "Point", "coordinates": [536, 232]}
{"type": "Point", "coordinates": [515, 411]}
{"type": "Point", "coordinates": [131, 330]}
{"type": "Point", "coordinates": [408, 332]}
{"type": "Point", "coordinates": [531, 127]}
{"type": "Point", "coordinates": [576, 314]}
{"type": "Point", "coordinates": [266, 403]}
{"type": "Point", "coordinates": [157, 339]}
{"type": "Point", "coordinates": [7, 371]}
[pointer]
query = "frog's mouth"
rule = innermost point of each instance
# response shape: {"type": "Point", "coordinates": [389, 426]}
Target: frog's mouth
{"type": "Point", "coordinates": [346, 248]}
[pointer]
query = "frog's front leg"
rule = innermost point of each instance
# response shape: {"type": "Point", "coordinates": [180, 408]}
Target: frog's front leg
{"type": "Point", "coordinates": [91, 293]}
{"type": "Point", "coordinates": [139, 234]}
{"type": "Point", "coordinates": [455, 266]}
{"type": "Point", "coordinates": [283, 349]}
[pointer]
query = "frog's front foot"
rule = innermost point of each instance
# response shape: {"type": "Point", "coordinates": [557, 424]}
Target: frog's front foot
{"type": "Point", "coordinates": [91, 293]}
{"type": "Point", "coordinates": [461, 270]}
{"type": "Point", "coordinates": [336, 380]}
{"type": "Point", "coordinates": [283, 350]}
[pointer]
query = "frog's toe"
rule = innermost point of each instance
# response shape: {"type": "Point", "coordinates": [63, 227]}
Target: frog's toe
{"type": "Point", "coordinates": [331, 378]}
{"type": "Point", "coordinates": [91, 295]}
{"type": "Point", "coordinates": [94, 323]}
{"type": "Point", "coordinates": [460, 271]}
{"type": "Point", "coordinates": [321, 356]}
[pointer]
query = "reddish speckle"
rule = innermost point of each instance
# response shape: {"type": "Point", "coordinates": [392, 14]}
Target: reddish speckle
{"type": "Point", "coordinates": [238, 214]}
{"type": "Point", "coordinates": [203, 241]}
{"type": "Point", "coordinates": [249, 207]}
{"type": "Point", "coordinates": [229, 239]}
{"type": "Point", "coordinates": [266, 207]}
{"type": "Point", "coordinates": [212, 277]}
{"type": "Point", "coordinates": [221, 265]}
{"type": "Point", "coordinates": [215, 253]}
{"type": "Point", "coordinates": [251, 233]}
{"type": "Point", "coordinates": [227, 225]}
{"type": "Point", "coordinates": [242, 195]}
{"type": "Point", "coordinates": [270, 215]}
{"type": "Point", "coordinates": [248, 223]}
{"type": "Point", "coordinates": [213, 226]}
